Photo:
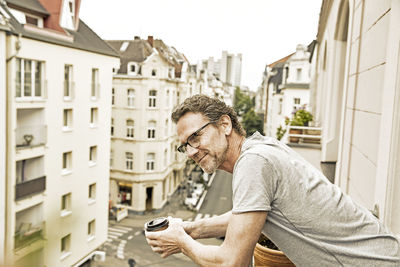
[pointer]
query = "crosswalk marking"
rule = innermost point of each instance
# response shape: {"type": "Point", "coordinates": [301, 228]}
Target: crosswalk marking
{"type": "Point", "coordinates": [121, 227]}
{"type": "Point", "coordinates": [115, 233]}
{"type": "Point", "coordinates": [117, 230]}
{"type": "Point", "coordinates": [202, 216]}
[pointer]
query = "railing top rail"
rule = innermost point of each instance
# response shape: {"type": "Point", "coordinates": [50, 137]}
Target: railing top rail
{"type": "Point", "coordinates": [305, 127]}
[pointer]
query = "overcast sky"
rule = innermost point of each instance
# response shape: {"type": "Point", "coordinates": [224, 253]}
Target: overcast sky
{"type": "Point", "coordinates": [262, 30]}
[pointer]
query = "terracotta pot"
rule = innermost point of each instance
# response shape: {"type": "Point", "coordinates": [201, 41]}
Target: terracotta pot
{"type": "Point", "coordinates": [295, 139]}
{"type": "Point", "coordinates": [264, 256]}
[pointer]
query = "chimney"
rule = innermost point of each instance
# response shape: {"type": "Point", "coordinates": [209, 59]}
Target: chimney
{"type": "Point", "coordinates": [150, 40]}
{"type": "Point", "coordinates": [137, 38]}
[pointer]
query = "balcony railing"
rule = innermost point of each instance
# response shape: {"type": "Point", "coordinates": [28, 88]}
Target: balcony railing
{"type": "Point", "coordinates": [30, 187]}
{"type": "Point", "coordinates": [304, 135]}
{"type": "Point", "coordinates": [32, 135]}
{"type": "Point", "coordinates": [27, 234]}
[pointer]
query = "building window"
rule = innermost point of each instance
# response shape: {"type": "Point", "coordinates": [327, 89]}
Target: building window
{"type": "Point", "coordinates": [29, 78]}
{"type": "Point", "coordinates": [131, 98]}
{"type": "Point", "coordinates": [167, 99]}
{"type": "Point", "coordinates": [93, 117]}
{"type": "Point", "coordinates": [113, 96]}
{"type": "Point", "coordinates": [91, 229]}
{"type": "Point", "coordinates": [165, 157]}
{"type": "Point", "coordinates": [112, 126]}
{"type": "Point", "coordinates": [95, 84]}
{"type": "Point", "coordinates": [67, 119]}
{"type": "Point", "coordinates": [67, 162]}
{"type": "Point", "coordinates": [298, 74]}
{"type": "Point", "coordinates": [111, 158]}
{"type": "Point", "coordinates": [178, 99]}
{"type": "Point", "coordinates": [166, 127]}
{"type": "Point", "coordinates": [92, 191]}
{"type": "Point", "coordinates": [151, 130]}
{"type": "Point", "coordinates": [130, 130]}
{"type": "Point", "coordinates": [68, 82]}
{"type": "Point", "coordinates": [66, 205]}
{"type": "Point", "coordinates": [152, 98]}
{"type": "Point", "coordinates": [150, 161]}
{"type": "Point", "coordinates": [296, 103]}
{"type": "Point", "coordinates": [132, 68]}
{"type": "Point", "coordinates": [153, 72]}
{"type": "Point", "coordinates": [65, 246]}
{"type": "Point", "coordinates": [280, 105]}
{"type": "Point", "coordinates": [92, 154]}
{"type": "Point", "coordinates": [129, 161]}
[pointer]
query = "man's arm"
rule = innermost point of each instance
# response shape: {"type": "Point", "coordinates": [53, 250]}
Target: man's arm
{"type": "Point", "coordinates": [237, 249]}
{"type": "Point", "coordinates": [209, 227]}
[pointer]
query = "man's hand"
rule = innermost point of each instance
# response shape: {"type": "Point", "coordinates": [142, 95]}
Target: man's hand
{"type": "Point", "coordinates": [166, 242]}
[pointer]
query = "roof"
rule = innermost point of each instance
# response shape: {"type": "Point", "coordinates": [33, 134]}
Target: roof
{"type": "Point", "coordinates": [84, 38]}
{"type": "Point", "coordinates": [29, 5]}
{"type": "Point", "coordinates": [137, 50]}
{"type": "Point", "coordinates": [282, 60]}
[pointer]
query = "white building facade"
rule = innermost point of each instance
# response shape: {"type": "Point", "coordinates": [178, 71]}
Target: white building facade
{"type": "Point", "coordinates": [286, 88]}
{"type": "Point", "coordinates": [59, 82]}
{"type": "Point", "coordinates": [356, 100]}
{"type": "Point", "coordinates": [145, 166]}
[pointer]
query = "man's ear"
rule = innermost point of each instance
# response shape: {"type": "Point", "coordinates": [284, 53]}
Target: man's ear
{"type": "Point", "coordinates": [226, 124]}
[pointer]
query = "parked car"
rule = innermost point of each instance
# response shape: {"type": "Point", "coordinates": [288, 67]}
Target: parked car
{"type": "Point", "coordinates": [198, 189]}
{"type": "Point", "coordinates": [191, 202]}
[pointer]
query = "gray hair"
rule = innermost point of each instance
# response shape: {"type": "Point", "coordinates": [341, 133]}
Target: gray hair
{"type": "Point", "coordinates": [211, 108]}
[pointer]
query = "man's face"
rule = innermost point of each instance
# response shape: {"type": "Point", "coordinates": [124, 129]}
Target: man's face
{"type": "Point", "coordinates": [213, 145]}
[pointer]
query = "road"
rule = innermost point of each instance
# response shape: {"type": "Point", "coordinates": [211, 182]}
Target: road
{"type": "Point", "coordinates": [126, 240]}
{"type": "Point", "coordinates": [219, 196]}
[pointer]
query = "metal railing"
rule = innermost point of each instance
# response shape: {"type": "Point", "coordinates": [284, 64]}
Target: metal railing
{"type": "Point", "coordinates": [29, 136]}
{"type": "Point", "coordinates": [304, 134]}
{"type": "Point", "coordinates": [27, 234]}
{"type": "Point", "coordinates": [30, 187]}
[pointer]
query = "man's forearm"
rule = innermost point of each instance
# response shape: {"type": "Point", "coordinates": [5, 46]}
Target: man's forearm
{"type": "Point", "coordinates": [208, 228]}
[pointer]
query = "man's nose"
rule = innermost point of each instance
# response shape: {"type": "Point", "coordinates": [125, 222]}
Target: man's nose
{"type": "Point", "coordinates": [191, 151]}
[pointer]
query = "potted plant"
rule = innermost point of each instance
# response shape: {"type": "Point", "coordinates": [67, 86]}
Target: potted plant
{"type": "Point", "coordinates": [301, 117]}
{"type": "Point", "coordinates": [266, 253]}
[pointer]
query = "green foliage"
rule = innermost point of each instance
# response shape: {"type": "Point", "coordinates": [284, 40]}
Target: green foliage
{"type": "Point", "coordinates": [280, 132]}
{"type": "Point", "coordinates": [252, 122]}
{"type": "Point", "coordinates": [242, 102]}
{"type": "Point", "coordinates": [301, 117]}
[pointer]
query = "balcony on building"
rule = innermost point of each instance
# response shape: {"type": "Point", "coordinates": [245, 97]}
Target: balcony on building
{"type": "Point", "coordinates": [30, 178]}
{"type": "Point", "coordinates": [30, 131]}
{"type": "Point", "coordinates": [29, 229]}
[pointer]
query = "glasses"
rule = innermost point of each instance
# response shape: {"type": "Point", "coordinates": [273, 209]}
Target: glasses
{"type": "Point", "coordinates": [193, 140]}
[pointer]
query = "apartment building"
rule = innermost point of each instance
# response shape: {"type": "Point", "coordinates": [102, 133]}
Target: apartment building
{"type": "Point", "coordinates": [145, 166]}
{"type": "Point", "coordinates": [356, 99]}
{"type": "Point", "coordinates": [285, 88]}
{"type": "Point", "coordinates": [59, 78]}
{"type": "Point", "coordinates": [4, 26]}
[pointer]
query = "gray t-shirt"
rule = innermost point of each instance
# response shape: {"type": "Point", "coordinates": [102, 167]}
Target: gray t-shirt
{"type": "Point", "coordinates": [309, 218]}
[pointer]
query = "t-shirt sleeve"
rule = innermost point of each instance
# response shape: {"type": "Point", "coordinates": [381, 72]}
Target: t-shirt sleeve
{"type": "Point", "coordinates": [253, 185]}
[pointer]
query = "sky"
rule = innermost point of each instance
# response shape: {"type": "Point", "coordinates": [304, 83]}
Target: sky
{"type": "Point", "coordinates": [263, 31]}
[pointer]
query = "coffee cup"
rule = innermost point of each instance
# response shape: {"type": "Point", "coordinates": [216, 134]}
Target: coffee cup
{"type": "Point", "coordinates": [157, 224]}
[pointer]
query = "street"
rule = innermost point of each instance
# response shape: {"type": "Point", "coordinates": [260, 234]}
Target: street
{"type": "Point", "coordinates": [126, 240]}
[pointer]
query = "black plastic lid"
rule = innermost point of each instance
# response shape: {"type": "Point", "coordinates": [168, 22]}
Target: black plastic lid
{"type": "Point", "coordinates": [156, 224]}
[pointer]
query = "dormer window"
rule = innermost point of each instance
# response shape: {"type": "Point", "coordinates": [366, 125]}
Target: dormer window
{"type": "Point", "coordinates": [68, 15]}
{"type": "Point", "coordinates": [132, 68]}
{"type": "Point", "coordinates": [153, 73]}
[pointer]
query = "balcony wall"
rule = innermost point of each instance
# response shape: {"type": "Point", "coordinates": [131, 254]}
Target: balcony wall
{"type": "Point", "coordinates": [30, 187]}
{"type": "Point", "coordinates": [29, 226]}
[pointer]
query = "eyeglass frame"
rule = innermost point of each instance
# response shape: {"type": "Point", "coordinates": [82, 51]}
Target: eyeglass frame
{"type": "Point", "coordinates": [184, 146]}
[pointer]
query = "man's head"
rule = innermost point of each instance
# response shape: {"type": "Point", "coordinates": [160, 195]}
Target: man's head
{"type": "Point", "coordinates": [211, 108]}
{"type": "Point", "coordinates": [204, 126]}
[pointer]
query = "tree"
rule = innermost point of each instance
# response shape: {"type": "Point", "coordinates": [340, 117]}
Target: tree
{"type": "Point", "coordinates": [242, 102]}
{"type": "Point", "coordinates": [252, 122]}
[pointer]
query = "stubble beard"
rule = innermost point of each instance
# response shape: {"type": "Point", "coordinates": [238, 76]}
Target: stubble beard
{"type": "Point", "coordinates": [215, 161]}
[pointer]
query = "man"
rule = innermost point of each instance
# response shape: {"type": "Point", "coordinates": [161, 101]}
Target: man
{"type": "Point", "coordinates": [276, 192]}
